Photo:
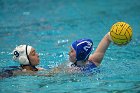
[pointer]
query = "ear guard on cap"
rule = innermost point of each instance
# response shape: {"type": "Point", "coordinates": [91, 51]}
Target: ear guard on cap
{"type": "Point", "coordinates": [80, 55]}
{"type": "Point", "coordinates": [20, 54]}
{"type": "Point", "coordinates": [83, 48]}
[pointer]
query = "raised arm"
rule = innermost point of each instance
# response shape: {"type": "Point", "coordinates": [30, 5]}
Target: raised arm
{"type": "Point", "coordinates": [99, 53]}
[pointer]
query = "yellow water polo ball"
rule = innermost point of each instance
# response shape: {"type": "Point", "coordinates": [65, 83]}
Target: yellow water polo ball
{"type": "Point", "coordinates": [121, 33]}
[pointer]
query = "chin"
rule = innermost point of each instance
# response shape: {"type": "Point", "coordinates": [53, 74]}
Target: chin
{"type": "Point", "coordinates": [36, 64]}
{"type": "Point", "coordinates": [70, 60]}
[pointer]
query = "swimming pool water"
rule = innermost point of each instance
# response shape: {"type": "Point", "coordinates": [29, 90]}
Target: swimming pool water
{"type": "Point", "coordinates": [51, 25]}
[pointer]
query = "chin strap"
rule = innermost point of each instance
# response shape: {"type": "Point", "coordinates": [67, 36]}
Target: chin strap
{"type": "Point", "coordinates": [75, 63]}
{"type": "Point", "coordinates": [28, 56]}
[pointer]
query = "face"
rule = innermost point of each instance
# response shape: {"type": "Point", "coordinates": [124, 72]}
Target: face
{"type": "Point", "coordinates": [34, 57]}
{"type": "Point", "coordinates": [72, 55]}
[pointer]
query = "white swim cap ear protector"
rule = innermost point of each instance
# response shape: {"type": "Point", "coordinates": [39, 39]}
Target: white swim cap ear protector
{"type": "Point", "coordinates": [20, 54]}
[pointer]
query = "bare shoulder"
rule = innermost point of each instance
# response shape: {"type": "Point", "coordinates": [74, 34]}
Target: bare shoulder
{"type": "Point", "coordinates": [94, 59]}
{"type": "Point", "coordinates": [23, 72]}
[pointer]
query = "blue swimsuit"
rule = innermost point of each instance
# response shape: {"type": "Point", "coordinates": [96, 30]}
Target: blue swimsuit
{"type": "Point", "coordinates": [89, 67]}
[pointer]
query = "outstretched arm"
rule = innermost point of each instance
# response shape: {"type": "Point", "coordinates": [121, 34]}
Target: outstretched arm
{"type": "Point", "coordinates": [99, 53]}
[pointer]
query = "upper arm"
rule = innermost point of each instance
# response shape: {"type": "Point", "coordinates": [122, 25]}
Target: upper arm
{"type": "Point", "coordinates": [96, 58]}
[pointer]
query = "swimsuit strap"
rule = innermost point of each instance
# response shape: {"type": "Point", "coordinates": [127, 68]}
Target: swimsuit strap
{"type": "Point", "coordinates": [91, 64]}
{"type": "Point", "coordinates": [8, 71]}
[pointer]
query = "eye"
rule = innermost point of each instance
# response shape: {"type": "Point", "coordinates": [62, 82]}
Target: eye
{"type": "Point", "coordinates": [33, 53]}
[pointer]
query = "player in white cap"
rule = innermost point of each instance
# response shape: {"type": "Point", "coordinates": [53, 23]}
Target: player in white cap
{"type": "Point", "coordinates": [28, 59]}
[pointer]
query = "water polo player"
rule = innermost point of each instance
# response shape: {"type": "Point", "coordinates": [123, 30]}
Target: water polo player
{"type": "Point", "coordinates": [80, 53]}
{"type": "Point", "coordinates": [80, 56]}
{"type": "Point", "coordinates": [28, 59]}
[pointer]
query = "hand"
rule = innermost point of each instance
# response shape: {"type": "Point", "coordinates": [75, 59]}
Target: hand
{"type": "Point", "coordinates": [110, 39]}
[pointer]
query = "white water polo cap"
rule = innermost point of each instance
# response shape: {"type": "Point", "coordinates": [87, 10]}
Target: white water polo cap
{"type": "Point", "coordinates": [20, 54]}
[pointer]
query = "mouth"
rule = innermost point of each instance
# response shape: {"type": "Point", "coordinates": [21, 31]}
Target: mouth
{"type": "Point", "coordinates": [69, 58]}
{"type": "Point", "coordinates": [38, 60]}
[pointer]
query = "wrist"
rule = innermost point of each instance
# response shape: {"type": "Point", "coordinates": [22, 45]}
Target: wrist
{"type": "Point", "coordinates": [109, 37]}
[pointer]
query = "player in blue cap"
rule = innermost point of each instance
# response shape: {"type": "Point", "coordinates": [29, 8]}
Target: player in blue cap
{"type": "Point", "coordinates": [80, 53]}
{"type": "Point", "coordinates": [80, 56]}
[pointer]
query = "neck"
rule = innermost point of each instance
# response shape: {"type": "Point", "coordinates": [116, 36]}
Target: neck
{"type": "Point", "coordinates": [29, 68]}
{"type": "Point", "coordinates": [81, 63]}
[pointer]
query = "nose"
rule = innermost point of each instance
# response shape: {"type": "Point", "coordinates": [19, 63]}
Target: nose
{"type": "Point", "coordinates": [68, 53]}
{"type": "Point", "coordinates": [37, 55]}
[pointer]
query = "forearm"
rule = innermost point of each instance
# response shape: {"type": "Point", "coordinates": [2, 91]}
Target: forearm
{"type": "Point", "coordinates": [98, 55]}
{"type": "Point", "coordinates": [104, 44]}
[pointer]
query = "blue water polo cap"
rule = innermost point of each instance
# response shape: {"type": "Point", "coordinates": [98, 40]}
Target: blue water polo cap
{"type": "Point", "coordinates": [83, 48]}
